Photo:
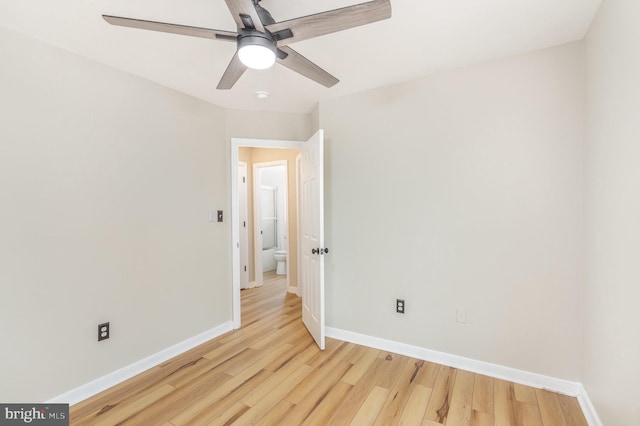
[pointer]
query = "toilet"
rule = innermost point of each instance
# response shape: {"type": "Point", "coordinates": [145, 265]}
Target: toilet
{"type": "Point", "coordinates": [281, 258]}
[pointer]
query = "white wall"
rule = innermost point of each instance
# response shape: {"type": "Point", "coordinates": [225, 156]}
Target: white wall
{"type": "Point", "coordinates": [462, 190]}
{"type": "Point", "coordinates": [612, 158]}
{"type": "Point", "coordinates": [267, 125]}
{"type": "Point", "coordinates": [106, 181]}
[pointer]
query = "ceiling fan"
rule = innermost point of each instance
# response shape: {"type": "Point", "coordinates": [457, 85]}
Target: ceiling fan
{"type": "Point", "coordinates": [261, 41]}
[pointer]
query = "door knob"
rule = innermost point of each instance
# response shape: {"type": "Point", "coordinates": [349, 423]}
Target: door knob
{"type": "Point", "coordinates": [324, 251]}
{"type": "Point", "coordinates": [315, 251]}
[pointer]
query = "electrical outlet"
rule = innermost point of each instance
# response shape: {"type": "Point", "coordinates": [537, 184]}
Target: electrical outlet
{"type": "Point", "coordinates": [461, 315]}
{"type": "Point", "coordinates": [400, 306]}
{"type": "Point", "coordinates": [103, 331]}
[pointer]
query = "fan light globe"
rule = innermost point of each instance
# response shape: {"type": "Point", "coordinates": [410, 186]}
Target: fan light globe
{"type": "Point", "coordinates": [256, 56]}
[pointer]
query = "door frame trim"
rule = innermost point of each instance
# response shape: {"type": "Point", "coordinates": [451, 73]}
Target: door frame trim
{"type": "Point", "coordinates": [236, 143]}
{"type": "Point", "coordinates": [244, 236]}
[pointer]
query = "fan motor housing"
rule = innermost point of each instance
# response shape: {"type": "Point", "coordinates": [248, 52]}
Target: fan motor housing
{"type": "Point", "coordinates": [256, 38]}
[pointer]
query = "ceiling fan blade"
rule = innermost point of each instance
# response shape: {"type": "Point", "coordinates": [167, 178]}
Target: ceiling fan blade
{"type": "Point", "coordinates": [234, 71]}
{"type": "Point", "coordinates": [298, 63]}
{"type": "Point", "coordinates": [245, 14]}
{"type": "Point", "coordinates": [332, 21]}
{"type": "Point", "coordinates": [171, 28]}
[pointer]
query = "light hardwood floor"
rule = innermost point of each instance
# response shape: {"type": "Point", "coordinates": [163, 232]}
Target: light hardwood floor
{"type": "Point", "coordinates": [270, 372]}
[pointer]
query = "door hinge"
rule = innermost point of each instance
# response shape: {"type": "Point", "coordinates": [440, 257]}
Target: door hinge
{"type": "Point", "coordinates": [244, 224]}
{"type": "Point", "coordinates": [243, 179]}
{"type": "Point", "coordinates": [245, 268]}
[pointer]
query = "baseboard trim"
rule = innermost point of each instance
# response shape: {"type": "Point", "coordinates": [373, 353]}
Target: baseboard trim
{"type": "Point", "coordinates": [588, 409]}
{"type": "Point", "coordinates": [498, 371]}
{"type": "Point", "coordinates": [252, 284]}
{"type": "Point", "coordinates": [105, 382]}
{"type": "Point", "coordinates": [293, 290]}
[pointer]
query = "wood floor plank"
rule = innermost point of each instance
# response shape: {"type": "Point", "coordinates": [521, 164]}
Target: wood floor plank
{"type": "Point", "coordinates": [241, 361]}
{"type": "Point", "coordinates": [360, 367]}
{"type": "Point", "coordinates": [187, 373]}
{"type": "Point", "coordinates": [416, 406]}
{"type": "Point", "coordinates": [528, 415]}
{"type": "Point", "coordinates": [314, 396]}
{"type": "Point", "coordinates": [550, 409]}
{"type": "Point", "coordinates": [356, 354]}
{"type": "Point", "coordinates": [230, 415]}
{"type": "Point", "coordinates": [223, 405]}
{"type": "Point", "coordinates": [483, 395]}
{"type": "Point", "coordinates": [116, 395]}
{"type": "Point", "coordinates": [505, 403]}
{"type": "Point", "coordinates": [525, 394]}
{"type": "Point", "coordinates": [399, 394]}
{"type": "Point", "coordinates": [320, 373]}
{"type": "Point", "coordinates": [129, 409]}
{"type": "Point", "coordinates": [427, 374]}
{"type": "Point", "coordinates": [462, 399]}
{"type": "Point", "coordinates": [358, 393]}
{"type": "Point", "coordinates": [276, 414]}
{"type": "Point", "coordinates": [302, 351]}
{"type": "Point", "coordinates": [371, 406]}
{"type": "Point", "coordinates": [198, 406]}
{"type": "Point", "coordinates": [276, 335]}
{"type": "Point", "coordinates": [478, 418]}
{"type": "Point", "coordinates": [571, 410]}
{"type": "Point", "coordinates": [270, 372]}
{"type": "Point", "coordinates": [212, 409]}
{"type": "Point", "coordinates": [270, 399]}
{"type": "Point", "coordinates": [389, 371]}
{"type": "Point", "coordinates": [226, 351]}
{"type": "Point", "coordinates": [323, 411]}
{"type": "Point", "coordinates": [168, 406]}
{"type": "Point", "coordinates": [280, 376]}
{"type": "Point", "coordinates": [438, 408]}
{"type": "Point", "coordinates": [299, 336]}
{"type": "Point", "coordinates": [322, 357]}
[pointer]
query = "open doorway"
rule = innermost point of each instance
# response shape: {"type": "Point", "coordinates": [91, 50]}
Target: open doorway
{"type": "Point", "coordinates": [271, 214]}
{"type": "Point", "coordinates": [310, 188]}
{"type": "Point", "coordinates": [270, 220]}
{"type": "Point", "coordinates": [272, 210]}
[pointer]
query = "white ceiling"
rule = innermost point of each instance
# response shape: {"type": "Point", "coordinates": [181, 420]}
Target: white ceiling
{"type": "Point", "coordinates": [421, 38]}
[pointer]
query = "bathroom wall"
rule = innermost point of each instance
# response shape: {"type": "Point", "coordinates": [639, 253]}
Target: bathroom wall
{"type": "Point", "coordinates": [262, 155]}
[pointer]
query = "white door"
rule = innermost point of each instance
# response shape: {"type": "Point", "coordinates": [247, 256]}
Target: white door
{"type": "Point", "coordinates": [312, 237]}
{"type": "Point", "coordinates": [244, 231]}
